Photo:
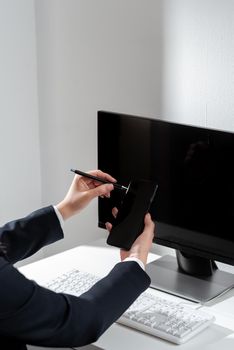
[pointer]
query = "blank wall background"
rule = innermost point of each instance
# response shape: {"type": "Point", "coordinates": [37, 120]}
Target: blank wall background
{"type": "Point", "coordinates": [20, 177]}
{"type": "Point", "coordinates": [197, 62]}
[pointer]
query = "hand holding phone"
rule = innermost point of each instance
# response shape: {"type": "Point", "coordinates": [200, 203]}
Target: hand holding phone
{"type": "Point", "coordinates": [129, 221]}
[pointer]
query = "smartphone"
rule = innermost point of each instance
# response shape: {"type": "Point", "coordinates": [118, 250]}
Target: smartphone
{"type": "Point", "coordinates": [129, 222]}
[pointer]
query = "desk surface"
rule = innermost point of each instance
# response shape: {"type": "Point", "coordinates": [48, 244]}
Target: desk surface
{"type": "Point", "coordinates": [97, 258]}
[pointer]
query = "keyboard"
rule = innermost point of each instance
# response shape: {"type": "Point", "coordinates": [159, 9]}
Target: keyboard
{"type": "Point", "coordinates": [170, 320]}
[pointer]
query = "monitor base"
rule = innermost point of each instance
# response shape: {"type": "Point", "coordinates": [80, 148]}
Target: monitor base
{"type": "Point", "coordinates": [166, 276]}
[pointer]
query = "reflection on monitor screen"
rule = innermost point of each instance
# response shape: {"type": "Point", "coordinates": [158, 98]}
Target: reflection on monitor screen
{"type": "Point", "coordinates": [194, 169]}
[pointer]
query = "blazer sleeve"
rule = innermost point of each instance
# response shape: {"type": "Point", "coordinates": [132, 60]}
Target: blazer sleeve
{"type": "Point", "coordinates": [35, 315]}
{"type": "Point", "coordinates": [23, 237]}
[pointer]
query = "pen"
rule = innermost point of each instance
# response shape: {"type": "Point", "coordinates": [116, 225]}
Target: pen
{"type": "Point", "coordinates": [117, 186]}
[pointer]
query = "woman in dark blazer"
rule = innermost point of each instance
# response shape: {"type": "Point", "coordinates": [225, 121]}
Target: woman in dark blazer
{"type": "Point", "coordinates": [31, 314]}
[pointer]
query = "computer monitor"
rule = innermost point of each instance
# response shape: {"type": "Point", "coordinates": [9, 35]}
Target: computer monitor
{"type": "Point", "coordinates": [194, 204]}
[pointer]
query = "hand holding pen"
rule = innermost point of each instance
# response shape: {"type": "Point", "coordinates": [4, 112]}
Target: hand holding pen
{"type": "Point", "coordinates": [107, 178]}
{"type": "Point", "coordinates": [83, 189]}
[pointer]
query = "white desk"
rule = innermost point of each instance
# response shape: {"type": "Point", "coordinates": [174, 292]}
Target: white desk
{"type": "Point", "coordinates": [99, 259]}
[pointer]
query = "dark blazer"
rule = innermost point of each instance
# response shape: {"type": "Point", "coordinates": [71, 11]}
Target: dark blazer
{"type": "Point", "coordinates": [31, 314]}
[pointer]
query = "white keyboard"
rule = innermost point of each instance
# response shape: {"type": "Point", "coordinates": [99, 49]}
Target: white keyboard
{"type": "Point", "coordinates": [170, 320]}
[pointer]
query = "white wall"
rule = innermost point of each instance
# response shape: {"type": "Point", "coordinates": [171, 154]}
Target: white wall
{"type": "Point", "coordinates": [20, 180]}
{"type": "Point", "coordinates": [197, 62]}
{"type": "Point", "coordinates": [91, 55]}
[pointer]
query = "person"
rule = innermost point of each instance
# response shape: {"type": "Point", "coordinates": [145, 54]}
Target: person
{"type": "Point", "coordinates": [32, 314]}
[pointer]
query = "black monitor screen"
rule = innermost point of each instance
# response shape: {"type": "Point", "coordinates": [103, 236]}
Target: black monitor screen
{"type": "Point", "coordinates": [194, 168]}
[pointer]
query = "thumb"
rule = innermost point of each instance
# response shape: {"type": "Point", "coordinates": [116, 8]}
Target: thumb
{"type": "Point", "coordinates": [101, 190]}
{"type": "Point", "coordinates": [149, 224]}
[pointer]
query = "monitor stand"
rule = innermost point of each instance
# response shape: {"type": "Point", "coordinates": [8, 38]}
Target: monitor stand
{"type": "Point", "coordinates": [195, 279]}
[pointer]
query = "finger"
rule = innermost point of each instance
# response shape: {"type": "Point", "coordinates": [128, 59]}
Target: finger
{"type": "Point", "coordinates": [102, 190]}
{"type": "Point", "coordinates": [108, 226]}
{"type": "Point", "coordinates": [87, 183]}
{"type": "Point", "coordinates": [149, 225]}
{"type": "Point", "coordinates": [103, 175]}
{"type": "Point", "coordinates": [114, 212]}
{"type": "Point", "coordinates": [148, 221]}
